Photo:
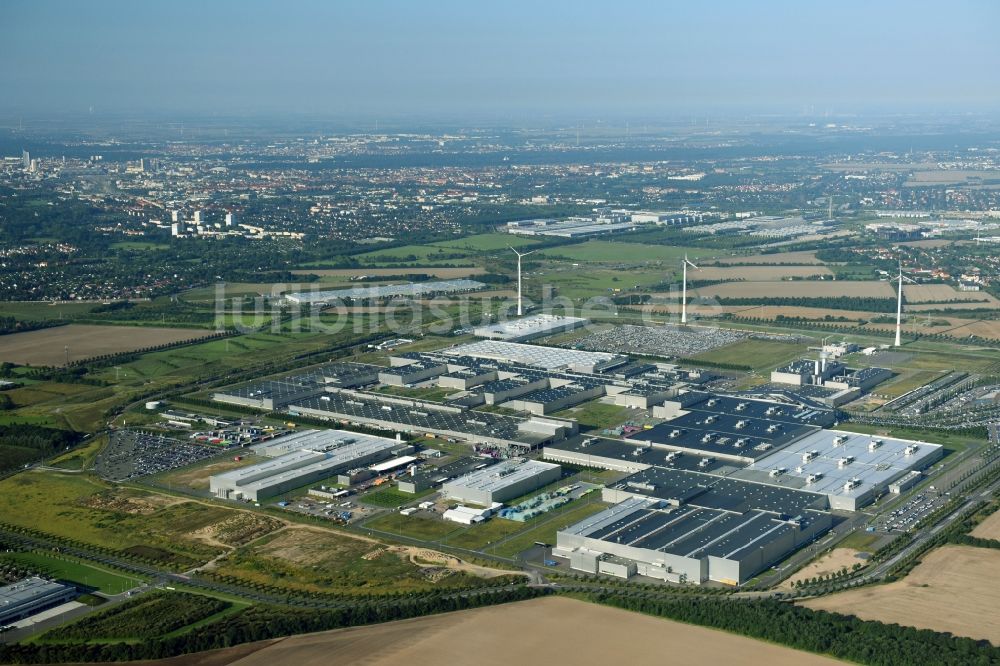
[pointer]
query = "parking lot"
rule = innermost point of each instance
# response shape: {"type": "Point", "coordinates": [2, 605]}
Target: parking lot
{"type": "Point", "coordinates": [904, 517]}
{"type": "Point", "coordinates": [132, 453]}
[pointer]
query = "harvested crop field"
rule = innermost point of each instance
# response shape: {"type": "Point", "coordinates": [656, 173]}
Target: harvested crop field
{"type": "Point", "coordinates": [776, 259]}
{"type": "Point", "coordinates": [549, 630]}
{"type": "Point", "coordinates": [989, 528]}
{"type": "Point", "coordinates": [757, 273]}
{"type": "Point", "coordinates": [943, 293]}
{"type": "Point", "coordinates": [989, 329]}
{"type": "Point", "coordinates": [799, 289]}
{"type": "Point", "coordinates": [948, 591]}
{"type": "Point", "coordinates": [47, 346]}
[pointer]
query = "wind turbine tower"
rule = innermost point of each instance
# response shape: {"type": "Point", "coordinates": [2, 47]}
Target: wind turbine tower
{"type": "Point", "coordinates": [520, 309]}
{"type": "Point", "coordinates": [899, 302]}
{"type": "Point", "coordinates": [684, 291]}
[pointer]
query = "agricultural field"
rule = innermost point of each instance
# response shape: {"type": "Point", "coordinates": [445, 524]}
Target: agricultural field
{"type": "Point", "coordinates": [989, 528]}
{"type": "Point", "coordinates": [43, 311]}
{"type": "Point", "coordinates": [798, 289]}
{"type": "Point", "coordinates": [775, 259]}
{"type": "Point", "coordinates": [48, 346]}
{"type": "Point", "coordinates": [488, 242]}
{"type": "Point", "coordinates": [547, 630]}
{"type": "Point", "coordinates": [947, 591]}
{"type": "Point", "coordinates": [602, 251]}
{"type": "Point", "coordinates": [943, 293]}
{"type": "Point", "coordinates": [77, 506]}
{"type": "Point", "coordinates": [416, 254]}
{"type": "Point", "coordinates": [757, 273]}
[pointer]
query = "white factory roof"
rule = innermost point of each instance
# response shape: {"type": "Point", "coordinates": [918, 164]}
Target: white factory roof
{"type": "Point", "coordinates": [315, 440]}
{"type": "Point", "coordinates": [548, 358]}
{"type": "Point", "coordinates": [393, 464]}
{"type": "Point", "coordinates": [531, 325]}
{"type": "Point", "coordinates": [872, 460]}
{"type": "Point", "coordinates": [386, 291]}
{"type": "Point", "coordinates": [501, 475]}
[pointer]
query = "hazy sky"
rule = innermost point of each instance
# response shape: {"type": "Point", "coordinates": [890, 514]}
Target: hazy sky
{"type": "Point", "coordinates": [440, 56]}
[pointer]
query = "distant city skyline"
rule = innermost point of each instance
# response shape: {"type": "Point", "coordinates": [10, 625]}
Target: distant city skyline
{"type": "Point", "coordinates": [453, 58]}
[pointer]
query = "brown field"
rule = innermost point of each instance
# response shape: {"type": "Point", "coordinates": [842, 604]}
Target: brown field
{"type": "Point", "coordinates": [46, 346]}
{"type": "Point", "coordinates": [780, 258]}
{"type": "Point", "coordinates": [757, 273]}
{"type": "Point", "coordinates": [798, 289]}
{"type": "Point", "coordinates": [964, 305]}
{"type": "Point", "coordinates": [989, 528]}
{"type": "Point", "coordinates": [540, 631]}
{"type": "Point", "coordinates": [950, 590]}
{"type": "Point", "coordinates": [989, 329]}
{"type": "Point", "coordinates": [446, 273]}
{"type": "Point", "coordinates": [830, 563]}
{"type": "Point", "coordinates": [772, 311]}
{"type": "Point", "coordinates": [940, 293]}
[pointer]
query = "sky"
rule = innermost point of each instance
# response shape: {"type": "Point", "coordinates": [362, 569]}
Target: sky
{"type": "Point", "coordinates": [344, 58]}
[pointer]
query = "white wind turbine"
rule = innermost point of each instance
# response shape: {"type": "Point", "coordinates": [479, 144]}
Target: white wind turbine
{"type": "Point", "coordinates": [684, 291]}
{"type": "Point", "coordinates": [520, 311]}
{"type": "Point", "coordinates": [899, 301]}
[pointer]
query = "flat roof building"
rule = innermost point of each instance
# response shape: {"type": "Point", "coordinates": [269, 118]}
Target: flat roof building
{"type": "Point", "coordinates": [501, 482]}
{"type": "Point", "coordinates": [30, 596]}
{"type": "Point", "coordinates": [316, 455]}
{"type": "Point", "coordinates": [527, 328]}
{"type": "Point", "coordinates": [547, 358]}
{"type": "Point", "coordinates": [411, 289]}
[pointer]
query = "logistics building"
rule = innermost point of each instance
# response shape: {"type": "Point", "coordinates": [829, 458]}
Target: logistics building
{"type": "Point", "coordinates": [411, 289]}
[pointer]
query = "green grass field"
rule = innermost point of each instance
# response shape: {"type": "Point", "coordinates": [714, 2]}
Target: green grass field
{"type": "Point", "coordinates": [602, 251]}
{"type": "Point", "coordinates": [62, 567]}
{"type": "Point", "coordinates": [417, 527]}
{"type": "Point", "coordinates": [758, 354]}
{"type": "Point", "coordinates": [39, 311]}
{"type": "Point", "coordinates": [597, 415]}
{"type": "Point", "coordinates": [487, 242]}
{"type": "Point", "coordinates": [391, 498]}
{"type": "Point", "coordinates": [545, 528]}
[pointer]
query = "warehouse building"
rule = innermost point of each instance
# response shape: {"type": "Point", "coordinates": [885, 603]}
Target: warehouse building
{"type": "Point", "coordinates": [409, 289]}
{"type": "Point", "coordinates": [548, 400]}
{"type": "Point", "coordinates": [31, 596]}
{"type": "Point", "coordinates": [270, 394]}
{"type": "Point", "coordinates": [537, 356]}
{"type": "Point", "coordinates": [433, 478]}
{"type": "Point", "coordinates": [685, 543]}
{"type": "Point", "coordinates": [319, 455]}
{"type": "Point", "coordinates": [501, 482]}
{"type": "Point", "coordinates": [530, 327]}
{"type": "Point", "coordinates": [411, 373]}
{"type": "Point", "coordinates": [438, 420]}
{"type": "Point", "coordinates": [349, 375]}
{"type": "Point", "coordinates": [851, 469]}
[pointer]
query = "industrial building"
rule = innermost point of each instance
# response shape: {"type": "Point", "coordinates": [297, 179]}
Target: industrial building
{"type": "Point", "coordinates": [685, 543]}
{"type": "Point", "coordinates": [501, 482]}
{"type": "Point", "coordinates": [311, 456]}
{"type": "Point", "coordinates": [409, 289]}
{"type": "Point", "coordinates": [849, 468]}
{"type": "Point", "coordinates": [270, 394]}
{"type": "Point", "coordinates": [546, 358]}
{"type": "Point", "coordinates": [527, 328]}
{"type": "Point", "coordinates": [433, 478]}
{"type": "Point", "coordinates": [420, 416]}
{"type": "Point", "coordinates": [31, 596]}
